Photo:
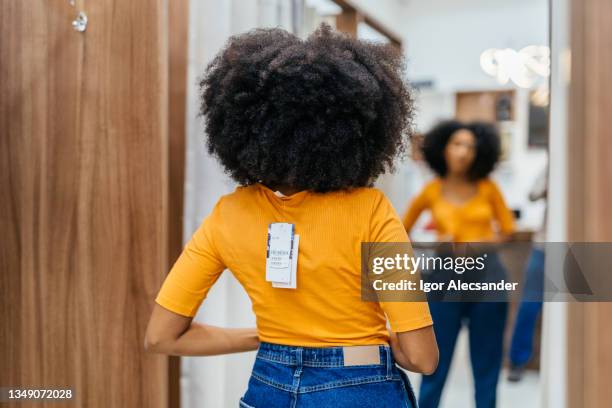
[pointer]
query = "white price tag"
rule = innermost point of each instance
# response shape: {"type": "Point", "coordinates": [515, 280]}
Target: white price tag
{"type": "Point", "coordinates": [292, 284]}
{"type": "Point", "coordinates": [278, 254]}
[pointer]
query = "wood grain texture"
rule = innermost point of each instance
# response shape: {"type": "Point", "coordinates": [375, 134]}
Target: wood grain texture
{"type": "Point", "coordinates": [83, 178]}
{"type": "Point", "coordinates": [590, 195]}
{"type": "Point", "coordinates": [347, 22]}
{"type": "Point", "coordinates": [178, 39]}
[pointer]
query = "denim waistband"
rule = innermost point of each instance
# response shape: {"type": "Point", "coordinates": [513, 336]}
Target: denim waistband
{"type": "Point", "coordinates": [313, 356]}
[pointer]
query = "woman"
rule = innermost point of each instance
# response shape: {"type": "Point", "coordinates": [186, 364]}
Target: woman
{"type": "Point", "coordinates": [466, 206]}
{"type": "Point", "coordinates": [304, 126]}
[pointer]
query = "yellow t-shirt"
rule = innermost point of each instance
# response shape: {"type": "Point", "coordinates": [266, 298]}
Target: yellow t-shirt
{"type": "Point", "coordinates": [472, 221]}
{"type": "Point", "coordinates": [326, 308]}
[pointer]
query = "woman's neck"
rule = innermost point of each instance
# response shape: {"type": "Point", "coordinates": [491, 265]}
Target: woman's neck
{"type": "Point", "coordinates": [456, 178]}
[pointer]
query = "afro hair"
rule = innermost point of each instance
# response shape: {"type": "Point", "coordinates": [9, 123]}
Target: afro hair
{"type": "Point", "coordinates": [488, 147]}
{"type": "Point", "coordinates": [326, 113]}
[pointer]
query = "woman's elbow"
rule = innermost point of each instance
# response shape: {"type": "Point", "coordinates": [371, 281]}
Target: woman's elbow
{"type": "Point", "coordinates": [151, 343]}
{"type": "Point", "coordinates": [420, 350]}
{"type": "Point", "coordinates": [425, 363]}
{"type": "Point", "coordinates": [154, 343]}
{"type": "Point", "coordinates": [164, 329]}
{"type": "Point", "coordinates": [428, 365]}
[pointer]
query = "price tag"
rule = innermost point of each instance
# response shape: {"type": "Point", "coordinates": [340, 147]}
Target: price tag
{"type": "Point", "coordinates": [279, 252]}
{"type": "Point", "coordinates": [292, 284]}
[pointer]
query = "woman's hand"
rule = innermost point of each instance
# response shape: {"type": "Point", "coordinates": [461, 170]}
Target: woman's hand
{"type": "Point", "coordinates": [499, 238]}
{"type": "Point", "coordinates": [173, 334]}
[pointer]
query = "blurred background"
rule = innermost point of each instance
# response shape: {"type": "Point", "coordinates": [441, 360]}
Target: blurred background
{"type": "Point", "coordinates": [104, 176]}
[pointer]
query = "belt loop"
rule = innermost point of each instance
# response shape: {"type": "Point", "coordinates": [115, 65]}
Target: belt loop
{"type": "Point", "coordinates": [295, 386]}
{"type": "Point", "coordinates": [389, 361]}
{"type": "Point", "coordinates": [299, 361]}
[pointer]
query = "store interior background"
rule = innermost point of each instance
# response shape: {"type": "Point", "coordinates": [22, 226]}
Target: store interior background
{"type": "Point", "coordinates": [443, 41]}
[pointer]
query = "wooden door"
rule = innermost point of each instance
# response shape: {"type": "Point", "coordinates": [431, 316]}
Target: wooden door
{"type": "Point", "coordinates": [83, 197]}
{"type": "Point", "coordinates": [590, 194]}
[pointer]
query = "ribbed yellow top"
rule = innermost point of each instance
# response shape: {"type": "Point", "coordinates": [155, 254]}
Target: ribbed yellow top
{"type": "Point", "coordinates": [326, 308]}
{"type": "Point", "coordinates": [472, 221]}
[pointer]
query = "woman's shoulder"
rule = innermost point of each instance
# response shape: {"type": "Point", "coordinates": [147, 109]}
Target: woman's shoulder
{"type": "Point", "coordinates": [366, 192]}
{"type": "Point", "coordinates": [488, 185]}
{"type": "Point", "coordinates": [239, 198]}
{"type": "Point", "coordinates": [360, 201]}
{"type": "Point", "coordinates": [432, 187]}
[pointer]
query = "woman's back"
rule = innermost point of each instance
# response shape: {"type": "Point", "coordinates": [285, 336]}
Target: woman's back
{"type": "Point", "coordinates": [323, 116]}
{"type": "Point", "coordinates": [326, 307]}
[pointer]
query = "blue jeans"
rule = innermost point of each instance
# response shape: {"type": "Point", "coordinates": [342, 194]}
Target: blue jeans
{"type": "Point", "coordinates": [288, 376]}
{"type": "Point", "coordinates": [529, 309]}
{"type": "Point", "coordinates": [486, 322]}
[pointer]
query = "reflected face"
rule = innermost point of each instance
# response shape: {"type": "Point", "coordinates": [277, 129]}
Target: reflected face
{"type": "Point", "coordinates": [460, 152]}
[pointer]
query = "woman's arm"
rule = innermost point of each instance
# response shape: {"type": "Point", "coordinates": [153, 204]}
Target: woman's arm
{"type": "Point", "coordinates": [417, 206]}
{"type": "Point", "coordinates": [413, 343]}
{"type": "Point", "coordinates": [173, 334]}
{"type": "Point", "coordinates": [171, 329]}
{"type": "Point", "coordinates": [416, 350]}
{"type": "Point", "coordinates": [503, 215]}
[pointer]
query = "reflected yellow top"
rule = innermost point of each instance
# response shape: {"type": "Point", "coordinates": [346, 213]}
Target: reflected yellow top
{"type": "Point", "coordinates": [475, 220]}
{"type": "Point", "coordinates": [326, 308]}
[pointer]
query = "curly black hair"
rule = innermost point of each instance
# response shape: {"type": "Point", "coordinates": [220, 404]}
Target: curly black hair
{"type": "Point", "coordinates": [488, 147]}
{"type": "Point", "coordinates": [322, 114]}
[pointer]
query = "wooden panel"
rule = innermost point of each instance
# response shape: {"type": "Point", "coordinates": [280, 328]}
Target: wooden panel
{"type": "Point", "coordinates": [589, 175]}
{"type": "Point", "coordinates": [83, 176]}
{"type": "Point", "coordinates": [347, 22]}
{"type": "Point", "coordinates": [483, 105]}
{"type": "Point", "coordinates": [178, 23]}
{"type": "Point", "coordinates": [352, 15]}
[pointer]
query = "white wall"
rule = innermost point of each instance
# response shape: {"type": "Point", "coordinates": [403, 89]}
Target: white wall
{"type": "Point", "coordinates": [216, 381]}
{"type": "Point", "coordinates": [204, 183]}
{"type": "Point", "coordinates": [444, 38]}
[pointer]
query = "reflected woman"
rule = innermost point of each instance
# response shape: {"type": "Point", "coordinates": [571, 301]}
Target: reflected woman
{"type": "Point", "coordinates": [466, 206]}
